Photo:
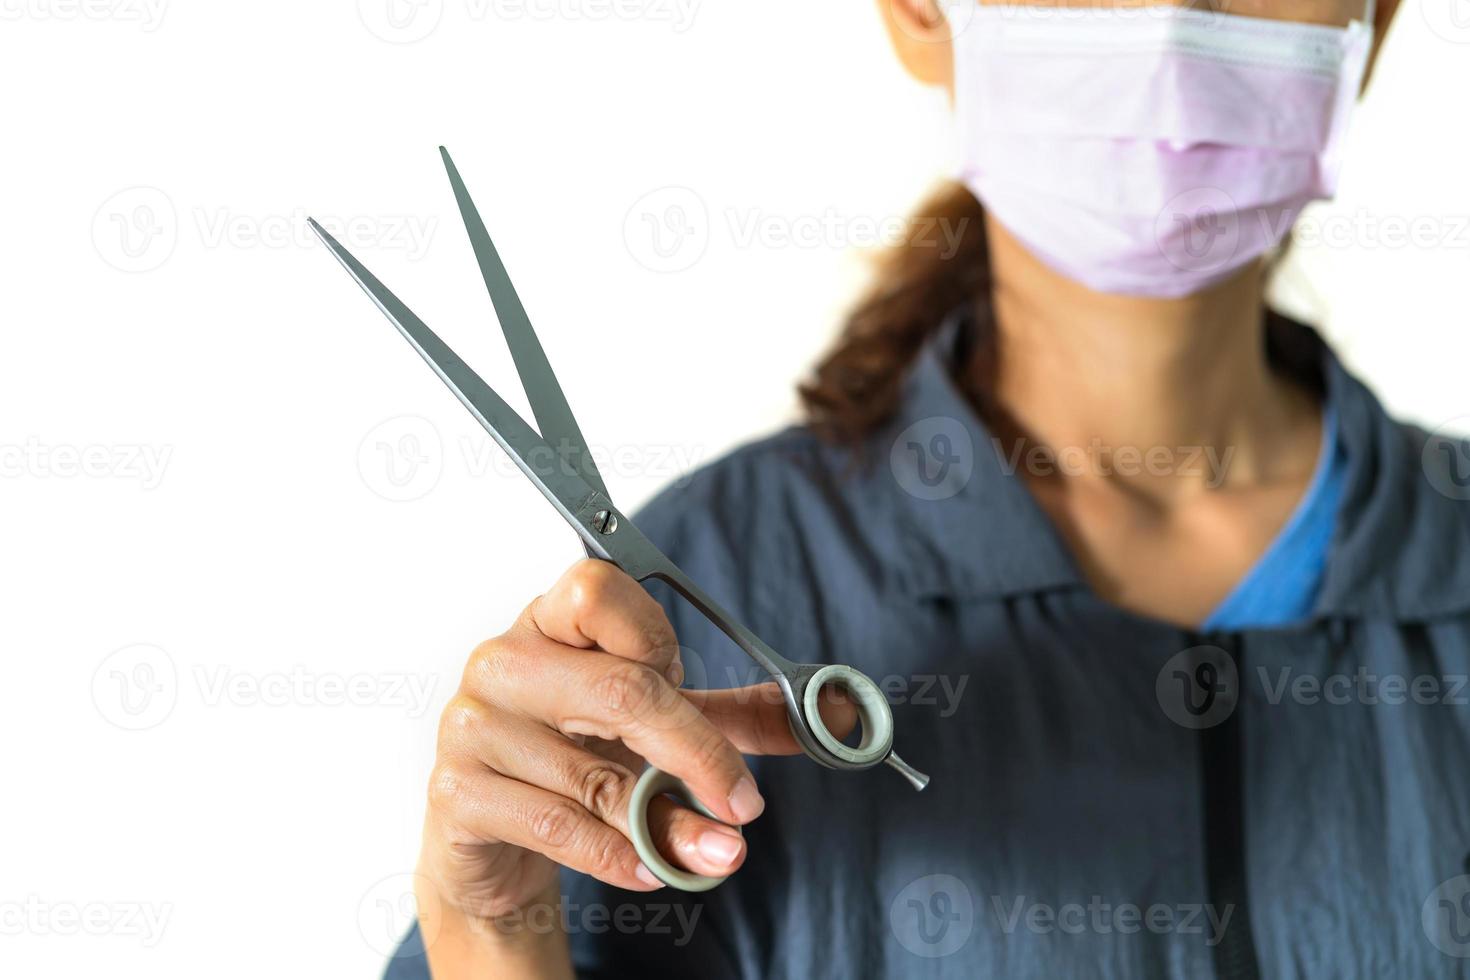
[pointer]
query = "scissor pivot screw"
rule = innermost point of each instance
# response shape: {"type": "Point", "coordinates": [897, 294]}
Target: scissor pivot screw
{"type": "Point", "coordinates": [605, 521]}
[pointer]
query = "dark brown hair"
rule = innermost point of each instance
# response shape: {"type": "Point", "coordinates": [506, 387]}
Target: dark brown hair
{"type": "Point", "coordinates": [941, 266]}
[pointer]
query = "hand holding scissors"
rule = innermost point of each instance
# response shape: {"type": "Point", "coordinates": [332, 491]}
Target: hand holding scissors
{"type": "Point", "coordinates": [557, 461]}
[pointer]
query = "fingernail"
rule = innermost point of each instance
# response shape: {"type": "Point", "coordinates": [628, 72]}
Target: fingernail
{"type": "Point", "coordinates": [675, 674]}
{"type": "Point", "coordinates": [718, 848]}
{"type": "Point", "coordinates": [746, 802]}
{"type": "Point", "coordinates": [647, 877]}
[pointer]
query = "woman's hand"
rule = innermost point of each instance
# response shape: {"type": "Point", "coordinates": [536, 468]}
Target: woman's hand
{"type": "Point", "coordinates": [542, 744]}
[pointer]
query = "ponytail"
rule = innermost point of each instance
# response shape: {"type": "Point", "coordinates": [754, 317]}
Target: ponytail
{"type": "Point", "coordinates": [942, 265]}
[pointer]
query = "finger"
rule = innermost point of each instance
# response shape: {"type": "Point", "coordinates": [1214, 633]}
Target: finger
{"type": "Point", "coordinates": [602, 695]}
{"type": "Point", "coordinates": [597, 604]}
{"type": "Point", "coordinates": [756, 721]}
{"type": "Point", "coordinates": [496, 808]}
{"type": "Point", "coordinates": [534, 754]}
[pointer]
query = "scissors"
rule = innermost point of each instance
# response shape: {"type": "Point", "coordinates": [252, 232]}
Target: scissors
{"type": "Point", "coordinates": [558, 463]}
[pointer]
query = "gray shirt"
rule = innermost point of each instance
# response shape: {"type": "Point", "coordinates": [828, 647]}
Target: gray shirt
{"type": "Point", "coordinates": [1112, 796]}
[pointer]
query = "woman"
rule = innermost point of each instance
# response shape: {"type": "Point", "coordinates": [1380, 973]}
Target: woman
{"type": "Point", "coordinates": [1151, 579]}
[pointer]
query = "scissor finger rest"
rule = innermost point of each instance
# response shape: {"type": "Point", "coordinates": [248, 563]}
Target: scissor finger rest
{"type": "Point", "coordinates": [874, 717]}
{"type": "Point", "coordinates": [656, 782]}
{"type": "Point", "coordinates": [875, 745]}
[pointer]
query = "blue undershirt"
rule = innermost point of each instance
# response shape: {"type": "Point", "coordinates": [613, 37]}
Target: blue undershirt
{"type": "Point", "coordinates": [1282, 587]}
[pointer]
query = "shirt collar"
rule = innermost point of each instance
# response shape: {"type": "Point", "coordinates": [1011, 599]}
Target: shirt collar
{"type": "Point", "coordinates": [967, 526]}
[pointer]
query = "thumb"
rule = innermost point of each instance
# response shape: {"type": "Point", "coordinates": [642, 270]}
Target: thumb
{"type": "Point", "coordinates": [754, 718]}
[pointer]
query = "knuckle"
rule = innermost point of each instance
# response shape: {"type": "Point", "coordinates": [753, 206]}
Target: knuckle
{"type": "Point", "coordinates": [489, 667]}
{"type": "Point", "coordinates": [589, 584]}
{"type": "Point", "coordinates": [553, 825]}
{"type": "Point", "coordinates": [659, 640]}
{"type": "Point", "coordinates": [605, 858]}
{"type": "Point", "coordinates": [464, 719]}
{"type": "Point", "coordinates": [710, 752]}
{"type": "Point", "coordinates": [627, 691]}
{"type": "Point", "coordinates": [446, 786]}
{"type": "Point", "coordinates": [601, 787]}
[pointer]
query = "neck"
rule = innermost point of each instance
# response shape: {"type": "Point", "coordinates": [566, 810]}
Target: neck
{"type": "Point", "coordinates": [1078, 369]}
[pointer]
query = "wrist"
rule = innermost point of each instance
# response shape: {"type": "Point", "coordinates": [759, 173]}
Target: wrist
{"type": "Point", "coordinates": [528, 941]}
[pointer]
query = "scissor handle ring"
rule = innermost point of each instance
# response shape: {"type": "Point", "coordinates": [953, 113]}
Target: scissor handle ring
{"type": "Point", "coordinates": [656, 782]}
{"type": "Point", "coordinates": [872, 708]}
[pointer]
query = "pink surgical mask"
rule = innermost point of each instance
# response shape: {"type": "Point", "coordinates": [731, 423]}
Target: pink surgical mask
{"type": "Point", "coordinates": [1150, 151]}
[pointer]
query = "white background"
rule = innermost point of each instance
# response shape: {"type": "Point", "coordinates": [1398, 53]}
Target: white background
{"type": "Point", "coordinates": [205, 424]}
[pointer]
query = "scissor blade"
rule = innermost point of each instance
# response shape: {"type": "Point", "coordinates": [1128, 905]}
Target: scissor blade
{"type": "Point", "coordinates": [568, 492]}
{"type": "Point", "coordinates": [553, 415]}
